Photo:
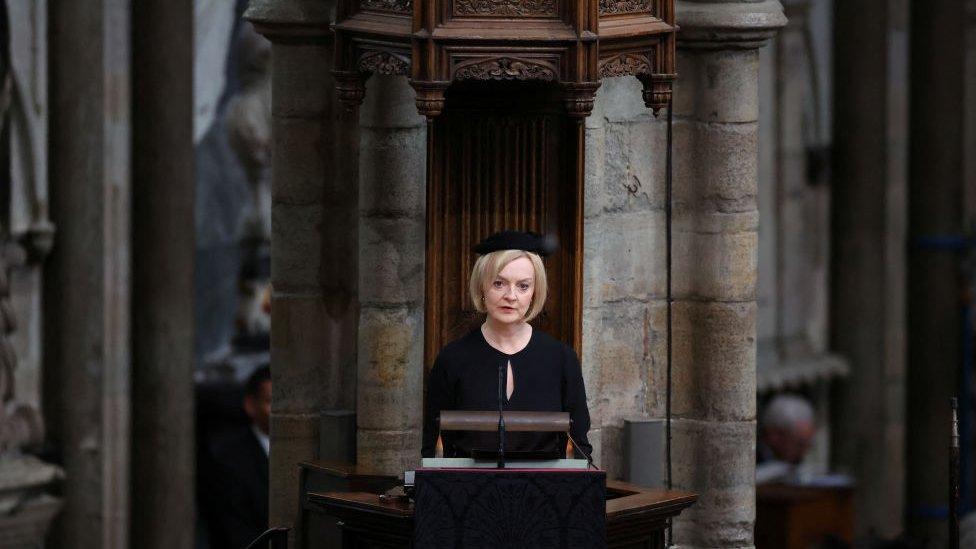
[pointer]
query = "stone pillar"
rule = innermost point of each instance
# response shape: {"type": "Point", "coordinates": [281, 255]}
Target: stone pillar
{"type": "Point", "coordinates": [314, 244]}
{"type": "Point", "coordinates": [87, 333]}
{"type": "Point", "coordinates": [163, 248]}
{"type": "Point", "coordinates": [715, 253]}
{"type": "Point", "coordinates": [868, 249]}
{"type": "Point", "coordinates": [935, 201]}
{"type": "Point", "coordinates": [392, 229]}
{"type": "Point", "coordinates": [624, 283]}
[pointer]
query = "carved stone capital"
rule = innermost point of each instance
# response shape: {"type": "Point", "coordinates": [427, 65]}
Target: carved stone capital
{"type": "Point", "coordinates": [430, 97]}
{"type": "Point", "coordinates": [289, 19]}
{"type": "Point", "coordinates": [727, 25]}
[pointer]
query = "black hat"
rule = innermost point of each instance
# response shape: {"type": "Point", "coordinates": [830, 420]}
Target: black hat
{"type": "Point", "coordinates": [517, 240]}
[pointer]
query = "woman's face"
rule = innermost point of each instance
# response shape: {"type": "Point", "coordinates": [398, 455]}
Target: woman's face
{"type": "Point", "coordinates": [509, 295]}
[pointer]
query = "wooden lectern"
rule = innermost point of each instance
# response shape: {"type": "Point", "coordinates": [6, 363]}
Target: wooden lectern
{"type": "Point", "coordinates": [634, 517]}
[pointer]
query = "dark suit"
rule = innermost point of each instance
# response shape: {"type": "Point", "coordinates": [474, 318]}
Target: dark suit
{"type": "Point", "coordinates": [237, 487]}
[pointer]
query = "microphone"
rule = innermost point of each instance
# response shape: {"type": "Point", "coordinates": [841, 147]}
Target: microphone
{"type": "Point", "coordinates": [501, 415]}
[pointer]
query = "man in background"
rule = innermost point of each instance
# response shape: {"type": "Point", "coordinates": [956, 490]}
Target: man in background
{"type": "Point", "coordinates": [238, 480]}
{"type": "Point", "coordinates": [786, 432]}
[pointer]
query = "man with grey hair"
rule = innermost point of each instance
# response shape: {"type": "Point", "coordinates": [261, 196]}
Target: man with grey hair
{"type": "Point", "coordinates": [786, 431]}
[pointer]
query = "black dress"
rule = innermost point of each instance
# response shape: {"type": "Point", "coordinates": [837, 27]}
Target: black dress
{"type": "Point", "coordinates": [547, 376]}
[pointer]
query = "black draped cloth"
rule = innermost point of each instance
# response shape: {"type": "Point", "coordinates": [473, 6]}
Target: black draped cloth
{"type": "Point", "coordinates": [547, 378]}
{"type": "Point", "coordinates": [509, 508]}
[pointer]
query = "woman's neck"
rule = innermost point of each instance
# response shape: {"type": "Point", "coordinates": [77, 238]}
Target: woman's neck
{"type": "Point", "coordinates": [509, 338]}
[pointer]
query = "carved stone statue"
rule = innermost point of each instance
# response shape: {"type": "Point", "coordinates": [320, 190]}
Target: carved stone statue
{"type": "Point", "coordinates": [26, 509]}
{"type": "Point", "coordinates": [249, 133]}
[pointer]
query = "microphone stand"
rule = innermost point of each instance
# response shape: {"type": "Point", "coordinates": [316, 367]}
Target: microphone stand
{"type": "Point", "coordinates": [954, 476]}
{"type": "Point", "coordinates": [501, 415]}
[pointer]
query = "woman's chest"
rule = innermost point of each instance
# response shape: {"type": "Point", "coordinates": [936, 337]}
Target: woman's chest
{"type": "Point", "coordinates": [535, 386]}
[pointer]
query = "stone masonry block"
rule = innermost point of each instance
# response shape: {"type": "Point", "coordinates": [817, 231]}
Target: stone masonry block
{"type": "Point", "coordinates": [300, 155]}
{"type": "Point", "coordinates": [717, 461]}
{"type": "Point", "coordinates": [391, 347]}
{"type": "Point", "coordinates": [295, 440]}
{"type": "Point", "coordinates": [392, 172]}
{"type": "Point", "coordinates": [592, 266]}
{"type": "Point", "coordinates": [391, 261]}
{"type": "Point", "coordinates": [716, 166]}
{"type": "Point", "coordinates": [623, 357]}
{"type": "Point", "coordinates": [714, 368]}
{"type": "Point", "coordinates": [388, 452]}
{"type": "Point", "coordinates": [297, 265]}
{"type": "Point", "coordinates": [635, 161]}
{"type": "Point", "coordinates": [715, 266]}
{"type": "Point", "coordinates": [390, 103]}
{"type": "Point", "coordinates": [611, 455]}
{"type": "Point", "coordinates": [597, 117]}
{"type": "Point", "coordinates": [593, 184]}
{"type": "Point", "coordinates": [718, 85]}
{"type": "Point", "coordinates": [622, 100]}
{"type": "Point", "coordinates": [314, 361]}
{"type": "Point", "coordinates": [302, 84]}
{"type": "Point", "coordinates": [625, 257]}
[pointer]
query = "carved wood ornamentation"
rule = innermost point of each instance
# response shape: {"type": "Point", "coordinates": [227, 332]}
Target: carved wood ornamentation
{"type": "Point", "coordinates": [626, 64]}
{"type": "Point", "coordinates": [385, 63]}
{"type": "Point", "coordinates": [395, 6]}
{"type": "Point", "coordinates": [350, 88]}
{"type": "Point", "coordinates": [611, 7]}
{"type": "Point", "coordinates": [505, 68]}
{"type": "Point", "coordinates": [505, 8]}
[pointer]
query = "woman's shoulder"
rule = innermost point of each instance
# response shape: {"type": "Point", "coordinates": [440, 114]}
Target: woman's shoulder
{"type": "Point", "coordinates": [550, 345]}
{"type": "Point", "coordinates": [461, 347]}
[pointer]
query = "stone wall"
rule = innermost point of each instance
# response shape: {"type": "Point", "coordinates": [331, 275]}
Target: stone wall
{"type": "Point", "coordinates": [624, 284]}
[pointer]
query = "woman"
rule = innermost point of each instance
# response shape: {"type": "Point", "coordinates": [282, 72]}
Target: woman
{"type": "Point", "coordinates": [508, 283]}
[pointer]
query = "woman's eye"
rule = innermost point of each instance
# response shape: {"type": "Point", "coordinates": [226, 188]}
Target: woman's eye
{"type": "Point", "coordinates": [524, 287]}
{"type": "Point", "coordinates": [497, 284]}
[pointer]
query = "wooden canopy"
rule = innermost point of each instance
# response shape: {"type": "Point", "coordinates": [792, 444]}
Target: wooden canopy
{"type": "Point", "coordinates": [569, 43]}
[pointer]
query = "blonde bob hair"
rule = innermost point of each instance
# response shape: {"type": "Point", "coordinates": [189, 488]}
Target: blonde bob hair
{"type": "Point", "coordinates": [488, 266]}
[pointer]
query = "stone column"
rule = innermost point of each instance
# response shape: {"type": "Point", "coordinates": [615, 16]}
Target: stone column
{"type": "Point", "coordinates": [314, 244]}
{"type": "Point", "coordinates": [86, 290]}
{"type": "Point", "coordinates": [715, 252]}
{"type": "Point", "coordinates": [868, 255]}
{"type": "Point", "coordinates": [163, 248]}
{"type": "Point", "coordinates": [392, 226]}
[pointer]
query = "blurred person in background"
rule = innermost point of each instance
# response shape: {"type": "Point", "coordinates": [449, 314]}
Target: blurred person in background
{"type": "Point", "coordinates": [786, 432]}
{"type": "Point", "coordinates": [235, 480]}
